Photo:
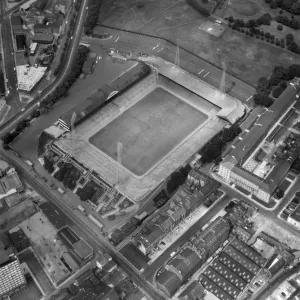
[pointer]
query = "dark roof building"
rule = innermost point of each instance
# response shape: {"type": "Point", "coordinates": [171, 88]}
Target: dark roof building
{"type": "Point", "coordinates": [16, 23]}
{"type": "Point", "coordinates": [183, 263]}
{"type": "Point", "coordinates": [54, 215]}
{"type": "Point", "coordinates": [168, 282]}
{"type": "Point", "coordinates": [83, 249]}
{"type": "Point", "coordinates": [194, 291]}
{"type": "Point", "coordinates": [20, 239]}
{"type": "Point", "coordinates": [43, 38]}
{"type": "Point", "coordinates": [2, 84]}
{"type": "Point", "coordinates": [21, 41]}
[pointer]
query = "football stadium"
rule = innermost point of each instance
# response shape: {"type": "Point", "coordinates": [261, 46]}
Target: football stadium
{"type": "Point", "coordinates": [147, 130]}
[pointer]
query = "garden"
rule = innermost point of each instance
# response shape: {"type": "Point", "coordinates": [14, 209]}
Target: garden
{"type": "Point", "coordinates": [68, 175]}
{"type": "Point", "coordinates": [91, 191]}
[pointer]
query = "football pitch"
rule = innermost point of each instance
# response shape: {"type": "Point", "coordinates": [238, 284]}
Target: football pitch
{"type": "Point", "coordinates": [149, 130]}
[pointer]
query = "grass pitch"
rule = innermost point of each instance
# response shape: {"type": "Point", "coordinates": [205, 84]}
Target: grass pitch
{"type": "Point", "coordinates": [149, 130]}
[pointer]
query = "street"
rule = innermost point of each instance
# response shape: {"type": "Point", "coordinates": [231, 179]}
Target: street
{"type": "Point", "coordinates": [34, 104]}
{"type": "Point", "coordinates": [97, 241]}
{"type": "Point", "coordinates": [12, 98]}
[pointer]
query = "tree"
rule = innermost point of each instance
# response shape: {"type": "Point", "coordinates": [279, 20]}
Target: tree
{"type": "Point", "coordinates": [262, 99]}
{"type": "Point", "coordinates": [289, 37]}
{"type": "Point", "coordinates": [279, 193]}
{"type": "Point", "coordinates": [279, 27]}
{"type": "Point", "coordinates": [294, 71]}
{"type": "Point", "coordinates": [295, 9]}
{"type": "Point", "coordinates": [277, 91]}
{"type": "Point", "coordinates": [35, 114]}
{"type": "Point", "coordinates": [5, 146]}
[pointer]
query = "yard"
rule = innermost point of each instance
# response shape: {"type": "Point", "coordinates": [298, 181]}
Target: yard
{"type": "Point", "coordinates": [176, 21]}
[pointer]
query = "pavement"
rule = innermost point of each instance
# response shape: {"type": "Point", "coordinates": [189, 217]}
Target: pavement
{"type": "Point", "coordinates": [34, 104]}
{"type": "Point", "coordinates": [6, 13]}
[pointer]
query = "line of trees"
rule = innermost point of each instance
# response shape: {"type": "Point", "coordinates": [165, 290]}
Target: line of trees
{"type": "Point", "coordinates": [60, 92]}
{"type": "Point", "coordinates": [276, 84]}
{"type": "Point", "coordinates": [213, 150]}
{"type": "Point", "coordinates": [94, 7]}
{"type": "Point", "coordinates": [291, 6]}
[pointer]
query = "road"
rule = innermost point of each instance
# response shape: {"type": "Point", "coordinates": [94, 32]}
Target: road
{"type": "Point", "coordinates": [10, 11]}
{"type": "Point", "coordinates": [207, 72]}
{"type": "Point", "coordinates": [97, 241]}
{"type": "Point", "coordinates": [12, 98]}
{"type": "Point", "coordinates": [11, 124]}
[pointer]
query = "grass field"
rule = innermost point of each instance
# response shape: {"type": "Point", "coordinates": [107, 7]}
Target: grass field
{"type": "Point", "coordinates": [245, 56]}
{"type": "Point", "coordinates": [148, 130]}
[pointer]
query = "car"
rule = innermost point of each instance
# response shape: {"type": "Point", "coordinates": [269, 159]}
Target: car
{"type": "Point", "coordinates": [22, 109]}
{"type": "Point", "coordinates": [218, 22]}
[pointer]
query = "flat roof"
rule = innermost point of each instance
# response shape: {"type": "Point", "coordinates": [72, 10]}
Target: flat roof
{"type": "Point", "coordinates": [83, 249]}
{"type": "Point", "coordinates": [194, 291]}
{"type": "Point", "coordinates": [295, 215]}
{"type": "Point", "coordinates": [55, 216]}
{"type": "Point", "coordinates": [11, 277]}
{"type": "Point", "coordinates": [43, 38]}
{"type": "Point", "coordinates": [28, 77]}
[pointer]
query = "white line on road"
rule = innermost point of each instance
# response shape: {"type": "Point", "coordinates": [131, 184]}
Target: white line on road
{"type": "Point", "coordinates": [200, 71]}
{"type": "Point", "coordinates": [206, 74]}
{"type": "Point", "coordinates": [249, 98]}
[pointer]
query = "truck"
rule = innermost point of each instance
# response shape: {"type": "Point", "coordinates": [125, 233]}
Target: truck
{"type": "Point", "coordinates": [98, 223]}
{"type": "Point", "coordinates": [81, 208]}
{"type": "Point", "coordinates": [61, 191]}
{"type": "Point", "coordinates": [28, 162]}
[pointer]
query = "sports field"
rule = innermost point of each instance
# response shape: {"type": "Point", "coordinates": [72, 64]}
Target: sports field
{"type": "Point", "coordinates": [149, 130]}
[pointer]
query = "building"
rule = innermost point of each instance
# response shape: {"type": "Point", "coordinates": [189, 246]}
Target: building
{"type": "Point", "coordinates": [231, 169]}
{"type": "Point", "coordinates": [184, 263]}
{"type": "Point", "coordinates": [168, 282]}
{"type": "Point", "coordinates": [20, 42]}
{"type": "Point", "coordinates": [29, 77]}
{"type": "Point", "coordinates": [192, 256]}
{"type": "Point", "coordinates": [230, 273]}
{"type": "Point", "coordinates": [194, 291]}
{"type": "Point", "coordinates": [16, 23]}
{"type": "Point", "coordinates": [43, 38]}
{"type": "Point", "coordinates": [89, 64]}
{"type": "Point", "coordinates": [2, 84]}
{"type": "Point", "coordinates": [83, 250]}
{"type": "Point", "coordinates": [19, 238]}
{"type": "Point", "coordinates": [42, 29]}
{"type": "Point", "coordinates": [11, 277]}
{"type": "Point", "coordinates": [294, 217]}
{"type": "Point", "coordinates": [11, 183]}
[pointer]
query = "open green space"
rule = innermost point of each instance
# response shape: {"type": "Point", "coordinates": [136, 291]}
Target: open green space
{"type": "Point", "coordinates": [148, 130]}
{"type": "Point", "coordinates": [176, 21]}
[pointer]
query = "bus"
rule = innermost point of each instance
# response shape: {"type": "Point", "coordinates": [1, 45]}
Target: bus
{"type": "Point", "coordinates": [82, 209]}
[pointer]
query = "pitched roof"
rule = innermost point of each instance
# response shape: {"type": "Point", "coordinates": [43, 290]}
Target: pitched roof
{"type": "Point", "coordinates": [184, 262]}
{"type": "Point", "coordinates": [169, 281]}
{"type": "Point", "coordinates": [193, 292]}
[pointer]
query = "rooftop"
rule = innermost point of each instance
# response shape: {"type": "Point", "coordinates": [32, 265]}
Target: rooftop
{"type": "Point", "coordinates": [295, 215]}
{"type": "Point", "coordinates": [39, 38]}
{"type": "Point", "coordinates": [11, 277]}
{"type": "Point", "coordinates": [54, 215]}
{"type": "Point", "coordinates": [183, 263]}
{"type": "Point", "coordinates": [169, 281]}
{"type": "Point", "coordinates": [28, 77]}
{"type": "Point", "coordinates": [194, 291]}
{"type": "Point", "coordinates": [83, 249]}
{"type": "Point", "coordinates": [265, 119]}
